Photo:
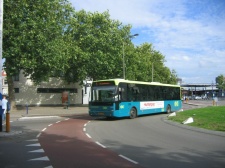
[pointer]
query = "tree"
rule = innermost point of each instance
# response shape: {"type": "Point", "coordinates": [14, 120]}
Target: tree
{"type": "Point", "coordinates": [96, 49]}
{"type": "Point", "coordinates": [49, 38]}
{"type": "Point", "coordinates": [144, 61]}
{"type": "Point", "coordinates": [34, 39]}
{"type": "Point", "coordinates": [220, 81]}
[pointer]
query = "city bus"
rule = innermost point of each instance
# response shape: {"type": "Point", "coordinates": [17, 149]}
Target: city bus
{"type": "Point", "coordinates": [115, 98]}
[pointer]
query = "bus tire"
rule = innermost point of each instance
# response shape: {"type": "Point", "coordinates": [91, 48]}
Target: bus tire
{"type": "Point", "coordinates": [168, 109]}
{"type": "Point", "coordinates": [133, 113]}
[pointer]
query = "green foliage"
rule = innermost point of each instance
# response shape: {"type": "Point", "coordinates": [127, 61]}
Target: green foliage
{"type": "Point", "coordinates": [50, 39]}
{"type": "Point", "coordinates": [211, 118]}
{"type": "Point", "coordinates": [143, 61]}
{"type": "Point", "coordinates": [98, 42]}
{"type": "Point", "coordinates": [33, 36]}
{"type": "Point", "coordinates": [220, 81]}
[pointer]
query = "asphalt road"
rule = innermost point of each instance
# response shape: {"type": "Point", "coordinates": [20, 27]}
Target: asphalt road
{"type": "Point", "coordinates": [79, 141]}
{"type": "Point", "coordinates": [152, 142]}
{"type": "Point", "coordinates": [67, 145]}
{"type": "Point", "coordinates": [24, 150]}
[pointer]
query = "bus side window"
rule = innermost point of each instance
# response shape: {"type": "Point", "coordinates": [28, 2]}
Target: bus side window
{"type": "Point", "coordinates": [123, 92]}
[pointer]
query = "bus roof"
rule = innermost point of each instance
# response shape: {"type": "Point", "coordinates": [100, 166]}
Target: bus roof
{"type": "Point", "coordinates": [118, 80]}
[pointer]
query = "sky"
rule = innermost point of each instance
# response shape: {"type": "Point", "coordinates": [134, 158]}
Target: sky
{"type": "Point", "coordinates": [189, 33]}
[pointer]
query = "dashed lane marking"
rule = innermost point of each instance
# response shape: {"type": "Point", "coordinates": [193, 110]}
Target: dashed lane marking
{"type": "Point", "coordinates": [100, 144]}
{"type": "Point", "coordinates": [43, 129]}
{"type": "Point", "coordinates": [128, 159]}
{"type": "Point", "coordinates": [88, 135]}
{"type": "Point", "coordinates": [38, 135]}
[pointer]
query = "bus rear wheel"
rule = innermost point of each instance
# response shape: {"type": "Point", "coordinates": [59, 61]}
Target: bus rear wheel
{"type": "Point", "coordinates": [168, 109]}
{"type": "Point", "coordinates": [133, 113]}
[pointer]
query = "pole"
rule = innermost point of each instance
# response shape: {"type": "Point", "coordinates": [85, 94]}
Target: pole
{"type": "Point", "coordinates": [124, 76]}
{"type": "Point", "coordinates": [1, 28]}
{"type": "Point", "coordinates": [152, 72]}
{"type": "Point", "coordinates": [1, 120]}
{"type": "Point", "coordinates": [7, 122]}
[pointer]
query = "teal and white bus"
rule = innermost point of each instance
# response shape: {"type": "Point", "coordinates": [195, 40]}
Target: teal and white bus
{"type": "Point", "coordinates": [125, 98]}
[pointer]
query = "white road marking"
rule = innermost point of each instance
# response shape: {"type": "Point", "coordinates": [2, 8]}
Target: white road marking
{"type": "Point", "coordinates": [32, 140]}
{"type": "Point", "coordinates": [88, 135]}
{"type": "Point", "coordinates": [43, 129]}
{"type": "Point", "coordinates": [58, 121]}
{"type": "Point", "coordinates": [128, 159]}
{"type": "Point", "coordinates": [100, 144]}
{"type": "Point", "coordinates": [50, 125]}
{"type": "Point", "coordinates": [37, 151]}
{"type": "Point", "coordinates": [48, 167]}
{"type": "Point", "coordinates": [84, 129]}
{"type": "Point", "coordinates": [37, 118]}
{"type": "Point", "coordinates": [45, 158]}
{"type": "Point", "coordinates": [38, 135]}
{"type": "Point", "coordinates": [37, 144]}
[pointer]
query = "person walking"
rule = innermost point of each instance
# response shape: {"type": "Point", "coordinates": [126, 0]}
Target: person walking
{"type": "Point", "coordinates": [4, 107]}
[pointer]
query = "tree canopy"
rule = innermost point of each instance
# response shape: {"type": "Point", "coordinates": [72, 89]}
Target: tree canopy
{"type": "Point", "coordinates": [220, 81]}
{"type": "Point", "coordinates": [51, 39]}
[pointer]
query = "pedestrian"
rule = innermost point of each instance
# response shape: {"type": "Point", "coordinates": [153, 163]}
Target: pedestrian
{"type": "Point", "coordinates": [216, 101]}
{"type": "Point", "coordinates": [4, 107]}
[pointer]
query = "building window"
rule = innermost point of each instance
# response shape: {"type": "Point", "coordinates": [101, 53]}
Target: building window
{"type": "Point", "coordinates": [16, 77]}
{"type": "Point", "coordinates": [5, 81]}
{"type": "Point", "coordinates": [16, 90]}
{"type": "Point", "coordinates": [56, 90]}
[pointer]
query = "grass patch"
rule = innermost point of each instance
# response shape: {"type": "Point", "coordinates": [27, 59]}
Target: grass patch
{"type": "Point", "coordinates": [212, 118]}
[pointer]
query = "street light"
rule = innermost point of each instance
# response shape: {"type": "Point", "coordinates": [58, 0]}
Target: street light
{"type": "Point", "coordinates": [152, 70]}
{"type": "Point", "coordinates": [124, 75]}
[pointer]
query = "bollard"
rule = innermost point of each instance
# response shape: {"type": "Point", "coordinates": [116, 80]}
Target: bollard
{"type": "Point", "coordinates": [27, 108]}
{"type": "Point", "coordinates": [7, 122]}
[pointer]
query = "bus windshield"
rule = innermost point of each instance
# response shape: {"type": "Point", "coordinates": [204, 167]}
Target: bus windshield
{"type": "Point", "coordinates": [103, 94]}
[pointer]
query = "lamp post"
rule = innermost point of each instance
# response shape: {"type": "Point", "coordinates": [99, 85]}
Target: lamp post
{"type": "Point", "coordinates": [124, 73]}
{"type": "Point", "coordinates": [1, 40]}
{"type": "Point", "coordinates": [152, 70]}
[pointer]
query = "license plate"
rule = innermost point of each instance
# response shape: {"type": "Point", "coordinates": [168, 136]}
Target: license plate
{"type": "Point", "coordinates": [101, 113]}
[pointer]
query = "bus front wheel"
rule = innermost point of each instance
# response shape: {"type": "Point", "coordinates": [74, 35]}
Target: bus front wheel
{"type": "Point", "coordinates": [168, 109]}
{"type": "Point", "coordinates": [133, 113]}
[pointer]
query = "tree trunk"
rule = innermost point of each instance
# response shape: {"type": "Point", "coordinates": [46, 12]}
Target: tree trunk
{"type": "Point", "coordinates": [11, 92]}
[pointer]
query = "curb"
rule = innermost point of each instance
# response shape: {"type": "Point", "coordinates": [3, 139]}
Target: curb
{"type": "Point", "coordinates": [218, 133]}
{"type": "Point", "coordinates": [9, 134]}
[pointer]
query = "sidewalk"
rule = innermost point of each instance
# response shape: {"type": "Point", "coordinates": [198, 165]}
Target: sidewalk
{"type": "Point", "coordinates": [40, 111]}
{"type": "Point", "coordinates": [204, 103]}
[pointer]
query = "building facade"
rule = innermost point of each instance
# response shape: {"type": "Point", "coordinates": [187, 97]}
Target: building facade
{"type": "Point", "coordinates": [4, 83]}
{"type": "Point", "coordinates": [49, 93]}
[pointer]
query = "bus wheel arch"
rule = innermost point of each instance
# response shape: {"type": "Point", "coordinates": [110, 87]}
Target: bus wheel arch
{"type": "Point", "coordinates": [168, 109]}
{"type": "Point", "coordinates": [133, 113]}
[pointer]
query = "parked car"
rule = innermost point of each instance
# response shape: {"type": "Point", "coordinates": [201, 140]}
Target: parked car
{"type": "Point", "coordinates": [198, 98]}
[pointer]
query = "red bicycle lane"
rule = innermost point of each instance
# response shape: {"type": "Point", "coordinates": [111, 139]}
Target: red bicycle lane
{"type": "Point", "coordinates": [66, 145]}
